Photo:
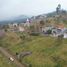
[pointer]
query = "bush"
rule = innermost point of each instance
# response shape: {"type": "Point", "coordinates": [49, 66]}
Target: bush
{"type": "Point", "coordinates": [22, 37]}
{"type": "Point", "coordinates": [49, 31]}
{"type": "Point", "coordinates": [35, 34]}
{"type": "Point", "coordinates": [59, 61]}
{"type": "Point", "coordinates": [30, 65]}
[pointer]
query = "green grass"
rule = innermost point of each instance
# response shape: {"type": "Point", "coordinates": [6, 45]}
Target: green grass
{"type": "Point", "coordinates": [46, 51]}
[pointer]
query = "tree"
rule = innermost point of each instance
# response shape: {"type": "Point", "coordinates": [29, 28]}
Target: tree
{"type": "Point", "coordinates": [58, 8]}
{"type": "Point", "coordinates": [42, 23]}
{"type": "Point", "coordinates": [49, 31]}
{"type": "Point", "coordinates": [32, 28]}
{"type": "Point", "coordinates": [30, 65]}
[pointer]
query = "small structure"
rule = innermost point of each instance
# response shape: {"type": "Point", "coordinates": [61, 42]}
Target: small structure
{"type": "Point", "coordinates": [11, 25]}
{"type": "Point", "coordinates": [27, 23]}
{"type": "Point", "coordinates": [15, 24]}
{"type": "Point", "coordinates": [60, 26]}
{"type": "Point", "coordinates": [21, 29]}
{"type": "Point", "coordinates": [65, 33]}
{"type": "Point", "coordinates": [58, 30]}
{"type": "Point", "coordinates": [2, 33]}
{"type": "Point", "coordinates": [45, 29]}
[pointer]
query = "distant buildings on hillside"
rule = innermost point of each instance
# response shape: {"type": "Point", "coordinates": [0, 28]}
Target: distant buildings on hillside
{"type": "Point", "coordinates": [40, 24]}
{"type": "Point", "coordinates": [15, 27]}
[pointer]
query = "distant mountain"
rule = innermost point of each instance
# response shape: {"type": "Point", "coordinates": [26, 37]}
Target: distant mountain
{"type": "Point", "coordinates": [22, 18]}
{"type": "Point", "coordinates": [18, 19]}
{"type": "Point", "coordinates": [62, 12]}
{"type": "Point", "coordinates": [51, 14]}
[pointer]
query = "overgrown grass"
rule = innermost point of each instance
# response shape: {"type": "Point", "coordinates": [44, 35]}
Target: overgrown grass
{"type": "Point", "coordinates": [4, 62]}
{"type": "Point", "coordinates": [46, 51]}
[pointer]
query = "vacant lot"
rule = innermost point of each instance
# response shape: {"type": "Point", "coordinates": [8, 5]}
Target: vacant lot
{"type": "Point", "coordinates": [46, 51]}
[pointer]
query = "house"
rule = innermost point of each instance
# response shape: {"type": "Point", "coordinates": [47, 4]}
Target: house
{"type": "Point", "coordinates": [11, 25]}
{"type": "Point", "coordinates": [27, 23]}
{"type": "Point", "coordinates": [2, 33]}
{"type": "Point", "coordinates": [59, 26]}
{"type": "Point", "coordinates": [21, 29]}
{"type": "Point", "coordinates": [58, 30]}
{"type": "Point", "coordinates": [15, 24]}
{"type": "Point", "coordinates": [65, 35]}
{"type": "Point", "coordinates": [45, 29]}
{"type": "Point", "coordinates": [65, 32]}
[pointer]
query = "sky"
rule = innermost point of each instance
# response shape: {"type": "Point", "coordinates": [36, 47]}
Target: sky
{"type": "Point", "coordinates": [11, 8]}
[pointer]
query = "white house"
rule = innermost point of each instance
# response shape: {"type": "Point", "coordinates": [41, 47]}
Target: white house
{"type": "Point", "coordinates": [65, 32]}
{"type": "Point", "coordinates": [27, 23]}
{"type": "Point", "coordinates": [57, 32]}
{"type": "Point", "coordinates": [65, 35]}
{"type": "Point", "coordinates": [15, 24]}
{"type": "Point", "coordinates": [21, 29]}
{"type": "Point", "coordinates": [11, 25]}
{"type": "Point", "coordinates": [44, 29]}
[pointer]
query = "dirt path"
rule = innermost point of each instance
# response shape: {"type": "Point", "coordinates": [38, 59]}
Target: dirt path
{"type": "Point", "coordinates": [8, 55]}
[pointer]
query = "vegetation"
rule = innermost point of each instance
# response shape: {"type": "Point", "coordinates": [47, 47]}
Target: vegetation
{"type": "Point", "coordinates": [5, 62]}
{"type": "Point", "coordinates": [46, 51]}
{"type": "Point", "coordinates": [49, 31]}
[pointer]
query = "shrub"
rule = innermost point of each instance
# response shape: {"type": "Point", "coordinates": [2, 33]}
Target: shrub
{"type": "Point", "coordinates": [35, 34]}
{"type": "Point", "coordinates": [49, 31]}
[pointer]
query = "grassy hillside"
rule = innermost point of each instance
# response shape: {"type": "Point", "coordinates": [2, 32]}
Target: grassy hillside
{"type": "Point", "coordinates": [46, 51]}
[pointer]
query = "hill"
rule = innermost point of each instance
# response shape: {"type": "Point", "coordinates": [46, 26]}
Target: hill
{"type": "Point", "coordinates": [46, 51]}
{"type": "Point", "coordinates": [52, 18]}
{"type": "Point", "coordinates": [18, 19]}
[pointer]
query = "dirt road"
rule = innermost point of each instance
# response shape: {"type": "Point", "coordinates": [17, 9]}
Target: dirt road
{"type": "Point", "coordinates": [8, 55]}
